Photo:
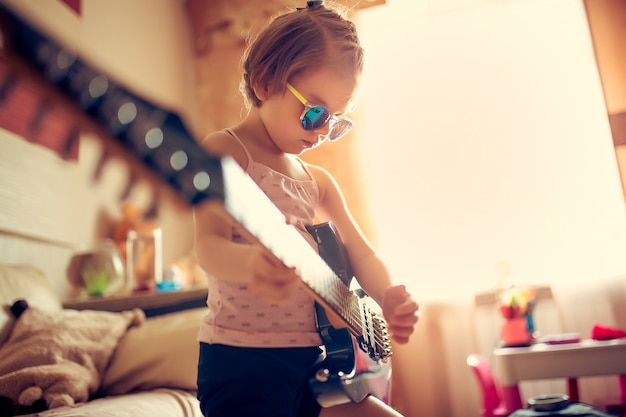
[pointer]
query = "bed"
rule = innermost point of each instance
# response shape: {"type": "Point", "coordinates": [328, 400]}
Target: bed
{"type": "Point", "coordinates": [151, 370]}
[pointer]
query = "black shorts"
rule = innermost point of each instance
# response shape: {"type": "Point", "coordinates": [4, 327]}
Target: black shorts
{"type": "Point", "coordinates": [256, 382]}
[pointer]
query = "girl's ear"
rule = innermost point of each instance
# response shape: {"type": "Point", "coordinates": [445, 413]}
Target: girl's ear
{"type": "Point", "coordinates": [261, 92]}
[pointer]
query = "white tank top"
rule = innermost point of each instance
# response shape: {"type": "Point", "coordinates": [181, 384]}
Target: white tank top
{"type": "Point", "coordinates": [237, 316]}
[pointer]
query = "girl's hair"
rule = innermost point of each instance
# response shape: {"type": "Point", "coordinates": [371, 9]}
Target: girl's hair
{"type": "Point", "coordinates": [294, 42]}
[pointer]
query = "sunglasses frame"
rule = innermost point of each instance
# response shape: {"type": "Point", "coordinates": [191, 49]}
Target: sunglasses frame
{"type": "Point", "coordinates": [332, 119]}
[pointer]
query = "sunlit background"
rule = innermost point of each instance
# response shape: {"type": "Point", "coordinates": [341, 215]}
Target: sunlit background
{"type": "Point", "coordinates": [495, 163]}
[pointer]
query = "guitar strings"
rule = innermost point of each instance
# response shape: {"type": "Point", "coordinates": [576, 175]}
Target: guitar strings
{"type": "Point", "coordinates": [342, 296]}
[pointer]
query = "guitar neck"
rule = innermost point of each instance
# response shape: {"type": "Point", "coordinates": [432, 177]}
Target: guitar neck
{"type": "Point", "coordinates": [268, 227]}
{"type": "Point", "coordinates": [264, 223]}
{"type": "Point", "coordinates": [158, 140]}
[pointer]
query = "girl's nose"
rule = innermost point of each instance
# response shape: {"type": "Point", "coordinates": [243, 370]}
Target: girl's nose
{"type": "Point", "coordinates": [320, 139]}
{"type": "Point", "coordinates": [322, 132]}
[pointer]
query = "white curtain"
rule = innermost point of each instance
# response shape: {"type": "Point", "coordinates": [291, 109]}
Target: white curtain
{"type": "Point", "coordinates": [488, 145]}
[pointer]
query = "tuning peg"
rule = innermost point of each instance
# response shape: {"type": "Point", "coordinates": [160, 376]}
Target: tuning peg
{"type": "Point", "coordinates": [117, 110]}
{"type": "Point", "coordinates": [57, 62]}
{"type": "Point", "coordinates": [86, 86]}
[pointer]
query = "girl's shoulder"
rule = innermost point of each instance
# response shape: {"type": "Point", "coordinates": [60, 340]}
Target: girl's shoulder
{"type": "Point", "coordinates": [223, 143]}
{"type": "Point", "coordinates": [322, 176]}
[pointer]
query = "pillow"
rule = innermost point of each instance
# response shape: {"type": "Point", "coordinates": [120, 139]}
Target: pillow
{"type": "Point", "coordinates": [163, 352]}
{"type": "Point", "coordinates": [59, 357]}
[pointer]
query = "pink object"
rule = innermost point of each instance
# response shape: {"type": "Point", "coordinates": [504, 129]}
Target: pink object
{"type": "Point", "coordinates": [619, 409]}
{"type": "Point", "coordinates": [602, 332]}
{"type": "Point", "coordinates": [514, 332]}
{"type": "Point", "coordinates": [560, 338]}
{"type": "Point", "coordinates": [493, 404]}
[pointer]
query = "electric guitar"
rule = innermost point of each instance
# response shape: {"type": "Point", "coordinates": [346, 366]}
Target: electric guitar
{"type": "Point", "coordinates": [348, 373]}
{"type": "Point", "coordinates": [164, 152]}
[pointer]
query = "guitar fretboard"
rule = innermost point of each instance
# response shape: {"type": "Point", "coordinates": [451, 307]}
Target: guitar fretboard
{"type": "Point", "coordinates": [259, 216]}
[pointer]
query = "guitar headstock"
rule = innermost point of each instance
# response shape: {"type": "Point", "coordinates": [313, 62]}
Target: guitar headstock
{"type": "Point", "coordinates": [153, 141]}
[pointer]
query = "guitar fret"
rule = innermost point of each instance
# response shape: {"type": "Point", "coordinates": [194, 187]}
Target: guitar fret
{"type": "Point", "coordinates": [374, 338]}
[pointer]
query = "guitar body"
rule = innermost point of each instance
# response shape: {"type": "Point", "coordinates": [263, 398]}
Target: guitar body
{"type": "Point", "coordinates": [348, 374]}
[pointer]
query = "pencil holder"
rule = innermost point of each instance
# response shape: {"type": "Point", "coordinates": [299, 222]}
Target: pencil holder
{"type": "Point", "coordinates": [516, 307]}
{"type": "Point", "coordinates": [515, 332]}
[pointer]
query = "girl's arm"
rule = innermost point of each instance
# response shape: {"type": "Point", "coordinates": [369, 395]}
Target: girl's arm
{"type": "Point", "coordinates": [368, 268]}
{"type": "Point", "coordinates": [226, 260]}
{"type": "Point", "coordinates": [399, 309]}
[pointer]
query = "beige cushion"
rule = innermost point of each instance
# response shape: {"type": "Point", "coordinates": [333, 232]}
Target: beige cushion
{"type": "Point", "coordinates": [163, 352]}
{"type": "Point", "coordinates": [159, 402]}
{"type": "Point", "coordinates": [29, 283]}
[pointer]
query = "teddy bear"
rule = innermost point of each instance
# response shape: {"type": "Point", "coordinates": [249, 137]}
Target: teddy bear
{"type": "Point", "coordinates": [57, 358]}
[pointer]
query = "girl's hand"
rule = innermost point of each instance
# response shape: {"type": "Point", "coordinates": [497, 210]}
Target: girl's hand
{"type": "Point", "coordinates": [401, 313]}
{"type": "Point", "coordinates": [272, 280]}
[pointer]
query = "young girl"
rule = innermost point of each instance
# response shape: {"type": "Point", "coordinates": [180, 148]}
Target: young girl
{"type": "Point", "coordinates": [259, 342]}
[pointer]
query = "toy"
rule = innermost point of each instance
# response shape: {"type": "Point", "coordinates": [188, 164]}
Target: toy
{"type": "Point", "coordinates": [57, 358]}
{"type": "Point", "coordinates": [97, 272]}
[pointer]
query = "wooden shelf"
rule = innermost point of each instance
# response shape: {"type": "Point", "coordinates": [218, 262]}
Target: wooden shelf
{"type": "Point", "coordinates": [153, 303]}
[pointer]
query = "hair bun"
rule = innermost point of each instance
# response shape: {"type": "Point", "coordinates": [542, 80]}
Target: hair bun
{"type": "Point", "coordinates": [310, 4]}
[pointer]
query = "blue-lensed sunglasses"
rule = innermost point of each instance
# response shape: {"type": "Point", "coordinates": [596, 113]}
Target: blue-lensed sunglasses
{"type": "Point", "coordinates": [315, 117]}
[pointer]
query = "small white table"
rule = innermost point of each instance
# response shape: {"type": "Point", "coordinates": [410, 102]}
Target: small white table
{"type": "Point", "coordinates": [571, 360]}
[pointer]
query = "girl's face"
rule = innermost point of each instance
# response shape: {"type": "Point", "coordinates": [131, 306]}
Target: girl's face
{"type": "Point", "coordinates": [326, 87]}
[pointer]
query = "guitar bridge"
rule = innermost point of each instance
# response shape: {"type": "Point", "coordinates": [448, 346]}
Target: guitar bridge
{"type": "Point", "coordinates": [375, 339]}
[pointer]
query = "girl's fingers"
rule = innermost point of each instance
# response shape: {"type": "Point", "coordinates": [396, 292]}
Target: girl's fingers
{"type": "Point", "coordinates": [408, 307]}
